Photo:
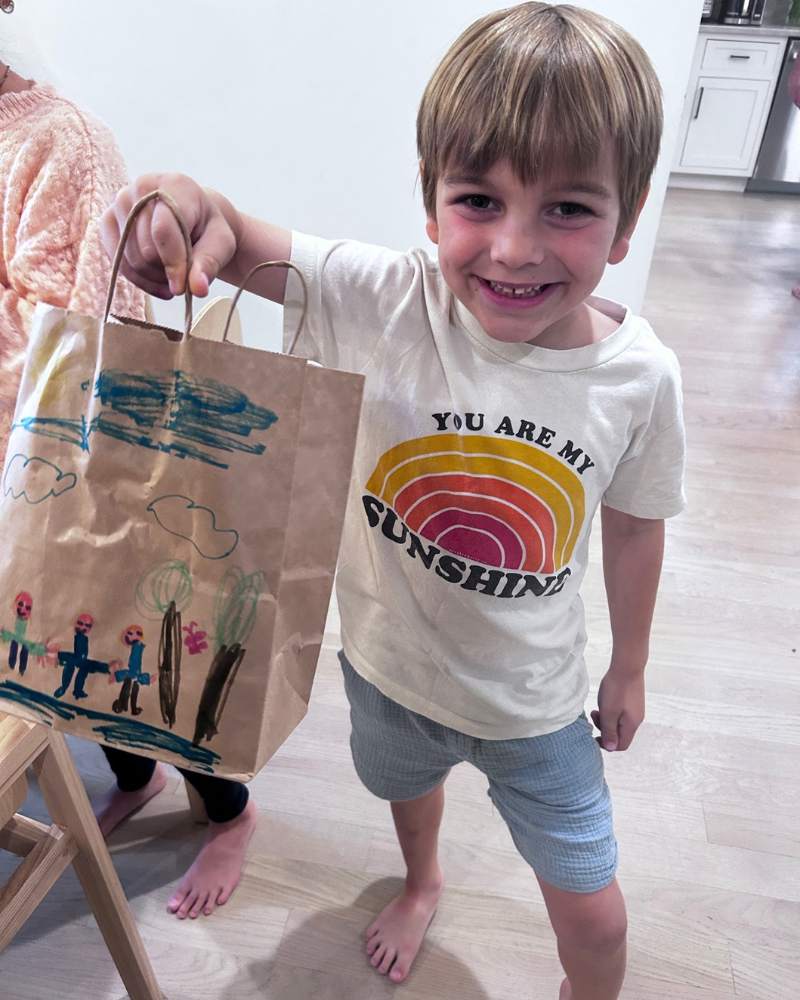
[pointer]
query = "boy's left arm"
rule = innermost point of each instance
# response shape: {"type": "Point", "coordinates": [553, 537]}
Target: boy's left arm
{"type": "Point", "coordinates": [633, 549]}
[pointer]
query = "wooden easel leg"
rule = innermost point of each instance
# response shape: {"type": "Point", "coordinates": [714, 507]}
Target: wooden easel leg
{"type": "Point", "coordinates": [68, 805]}
{"type": "Point", "coordinates": [196, 806]}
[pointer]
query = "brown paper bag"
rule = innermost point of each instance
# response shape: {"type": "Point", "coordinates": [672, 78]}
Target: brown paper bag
{"type": "Point", "coordinates": [171, 513]}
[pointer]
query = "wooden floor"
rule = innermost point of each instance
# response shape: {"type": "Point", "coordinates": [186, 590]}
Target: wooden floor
{"type": "Point", "coordinates": [707, 803]}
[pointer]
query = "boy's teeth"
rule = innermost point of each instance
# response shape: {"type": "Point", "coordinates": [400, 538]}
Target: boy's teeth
{"type": "Point", "coordinates": [514, 292]}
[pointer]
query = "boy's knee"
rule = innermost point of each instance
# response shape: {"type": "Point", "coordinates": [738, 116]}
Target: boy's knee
{"type": "Point", "coordinates": [601, 932]}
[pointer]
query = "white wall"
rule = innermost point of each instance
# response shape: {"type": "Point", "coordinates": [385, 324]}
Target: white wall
{"type": "Point", "coordinates": [301, 112]}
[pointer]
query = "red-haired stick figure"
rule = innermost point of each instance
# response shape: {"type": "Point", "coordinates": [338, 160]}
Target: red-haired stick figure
{"type": "Point", "coordinates": [20, 645]}
{"type": "Point", "coordinates": [132, 677]}
{"type": "Point", "coordinates": [79, 659]}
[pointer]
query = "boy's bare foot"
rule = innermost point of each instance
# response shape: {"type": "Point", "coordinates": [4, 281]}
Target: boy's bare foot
{"type": "Point", "coordinates": [565, 993]}
{"type": "Point", "coordinates": [796, 291]}
{"type": "Point", "coordinates": [217, 869]}
{"type": "Point", "coordinates": [394, 939]}
{"type": "Point", "coordinates": [115, 806]}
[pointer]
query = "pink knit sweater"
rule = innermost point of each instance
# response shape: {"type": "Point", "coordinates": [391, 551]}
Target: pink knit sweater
{"type": "Point", "coordinates": [59, 171]}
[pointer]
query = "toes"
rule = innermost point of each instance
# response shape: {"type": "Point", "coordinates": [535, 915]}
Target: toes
{"type": "Point", "coordinates": [225, 893]}
{"type": "Point", "coordinates": [176, 900]}
{"type": "Point", "coordinates": [399, 971]}
{"type": "Point", "coordinates": [372, 930]}
{"type": "Point", "coordinates": [200, 903]}
{"type": "Point", "coordinates": [186, 906]}
{"type": "Point", "coordinates": [213, 901]}
{"type": "Point", "coordinates": [378, 955]}
{"type": "Point", "coordinates": [373, 944]}
{"type": "Point", "coordinates": [388, 961]}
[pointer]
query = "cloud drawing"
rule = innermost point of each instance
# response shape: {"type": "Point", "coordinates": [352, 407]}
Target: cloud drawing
{"type": "Point", "coordinates": [182, 517]}
{"type": "Point", "coordinates": [35, 479]}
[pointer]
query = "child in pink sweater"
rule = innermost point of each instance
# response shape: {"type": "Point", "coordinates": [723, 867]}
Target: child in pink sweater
{"type": "Point", "coordinates": [58, 170]}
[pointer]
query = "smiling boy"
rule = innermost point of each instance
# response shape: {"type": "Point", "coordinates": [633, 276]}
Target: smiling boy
{"type": "Point", "coordinates": [503, 405]}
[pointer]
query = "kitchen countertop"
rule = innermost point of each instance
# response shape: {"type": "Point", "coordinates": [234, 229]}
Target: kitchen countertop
{"type": "Point", "coordinates": [749, 32]}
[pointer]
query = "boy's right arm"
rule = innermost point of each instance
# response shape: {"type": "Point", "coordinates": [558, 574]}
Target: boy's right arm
{"type": "Point", "coordinates": [225, 242]}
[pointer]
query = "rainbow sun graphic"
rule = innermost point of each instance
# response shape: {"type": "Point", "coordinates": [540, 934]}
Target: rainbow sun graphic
{"type": "Point", "coordinates": [496, 501]}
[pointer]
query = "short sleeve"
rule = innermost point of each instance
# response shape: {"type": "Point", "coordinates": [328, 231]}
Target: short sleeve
{"type": "Point", "coordinates": [649, 480]}
{"type": "Point", "coordinates": [354, 291]}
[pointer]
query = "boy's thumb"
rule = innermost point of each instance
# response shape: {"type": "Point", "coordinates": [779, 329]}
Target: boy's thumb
{"type": "Point", "coordinates": [608, 737]}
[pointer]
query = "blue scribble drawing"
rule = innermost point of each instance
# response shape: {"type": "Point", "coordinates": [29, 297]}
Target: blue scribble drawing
{"type": "Point", "coordinates": [75, 432]}
{"type": "Point", "coordinates": [173, 412]}
{"type": "Point", "coordinates": [181, 516]}
{"type": "Point", "coordinates": [131, 733]}
{"type": "Point", "coordinates": [79, 660]}
{"type": "Point", "coordinates": [35, 479]}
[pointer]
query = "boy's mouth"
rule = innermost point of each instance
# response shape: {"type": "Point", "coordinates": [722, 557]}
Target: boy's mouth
{"type": "Point", "coordinates": [515, 292]}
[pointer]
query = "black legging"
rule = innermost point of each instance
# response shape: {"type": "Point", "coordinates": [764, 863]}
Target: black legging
{"type": "Point", "coordinates": [224, 799]}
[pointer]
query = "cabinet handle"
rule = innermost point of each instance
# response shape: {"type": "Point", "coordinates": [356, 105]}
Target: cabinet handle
{"type": "Point", "coordinates": [699, 102]}
{"type": "Point", "coordinates": [738, 57]}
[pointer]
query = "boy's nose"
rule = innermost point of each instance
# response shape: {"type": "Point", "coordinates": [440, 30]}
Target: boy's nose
{"type": "Point", "coordinates": [517, 247]}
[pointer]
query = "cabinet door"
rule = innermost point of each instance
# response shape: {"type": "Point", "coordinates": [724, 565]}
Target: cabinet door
{"type": "Point", "coordinates": [726, 123]}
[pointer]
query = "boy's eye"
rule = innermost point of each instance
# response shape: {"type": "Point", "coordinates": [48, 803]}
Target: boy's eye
{"type": "Point", "coordinates": [479, 202]}
{"type": "Point", "coordinates": [571, 210]}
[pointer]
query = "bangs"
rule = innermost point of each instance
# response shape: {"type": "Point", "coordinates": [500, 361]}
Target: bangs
{"type": "Point", "coordinates": [541, 127]}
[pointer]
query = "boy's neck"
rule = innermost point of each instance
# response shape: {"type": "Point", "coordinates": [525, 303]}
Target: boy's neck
{"type": "Point", "coordinates": [585, 325]}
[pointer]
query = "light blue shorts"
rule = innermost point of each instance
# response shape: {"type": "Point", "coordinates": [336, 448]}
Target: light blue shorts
{"type": "Point", "coordinates": [549, 789]}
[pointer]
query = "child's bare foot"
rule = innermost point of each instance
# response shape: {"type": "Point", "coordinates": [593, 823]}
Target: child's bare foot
{"type": "Point", "coordinates": [394, 939]}
{"type": "Point", "coordinates": [796, 291]}
{"type": "Point", "coordinates": [115, 806]}
{"type": "Point", "coordinates": [217, 869]}
{"type": "Point", "coordinates": [565, 993]}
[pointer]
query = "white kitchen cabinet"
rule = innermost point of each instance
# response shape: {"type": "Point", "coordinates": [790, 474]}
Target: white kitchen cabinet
{"type": "Point", "coordinates": [725, 128]}
{"type": "Point", "coordinates": [727, 104]}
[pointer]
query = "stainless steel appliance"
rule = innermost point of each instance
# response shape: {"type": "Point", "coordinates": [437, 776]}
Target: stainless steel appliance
{"type": "Point", "coordinates": [778, 164]}
{"type": "Point", "coordinates": [743, 12]}
{"type": "Point", "coordinates": [712, 10]}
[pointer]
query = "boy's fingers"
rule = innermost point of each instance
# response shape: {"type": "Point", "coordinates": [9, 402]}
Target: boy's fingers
{"type": "Point", "coordinates": [211, 253]}
{"type": "Point", "coordinates": [169, 245]}
{"type": "Point", "coordinates": [158, 288]}
{"type": "Point", "coordinates": [608, 738]}
{"type": "Point", "coordinates": [627, 730]}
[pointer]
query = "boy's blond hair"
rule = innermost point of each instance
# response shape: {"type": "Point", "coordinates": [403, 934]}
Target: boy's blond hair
{"type": "Point", "coordinates": [542, 86]}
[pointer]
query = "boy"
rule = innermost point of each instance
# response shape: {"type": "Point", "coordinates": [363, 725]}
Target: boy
{"type": "Point", "coordinates": [502, 405]}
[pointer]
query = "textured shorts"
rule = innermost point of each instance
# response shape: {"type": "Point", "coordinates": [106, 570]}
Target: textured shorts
{"type": "Point", "coordinates": [550, 789]}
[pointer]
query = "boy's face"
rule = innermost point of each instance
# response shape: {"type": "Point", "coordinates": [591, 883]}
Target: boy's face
{"type": "Point", "coordinates": [523, 258]}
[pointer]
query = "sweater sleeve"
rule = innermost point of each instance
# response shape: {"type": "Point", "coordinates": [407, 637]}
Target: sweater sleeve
{"type": "Point", "coordinates": [74, 170]}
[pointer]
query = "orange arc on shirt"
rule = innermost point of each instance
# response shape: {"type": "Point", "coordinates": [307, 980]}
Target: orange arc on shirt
{"type": "Point", "coordinates": [497, 501]}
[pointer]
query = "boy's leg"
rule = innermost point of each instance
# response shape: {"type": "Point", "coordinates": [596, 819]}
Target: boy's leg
{"type": "Point", "coordinates": [138, 780]}
{"type": "Point", "coordinates": [551, 792]}
{"type": "Point", "coordinates": [216, 870]}
{"type": "Point", "coordinates": [591, 932]}
{"type": "Point", "coordinates": [394, 939]}
{"type": "Point", "coordinates": [403, 758]}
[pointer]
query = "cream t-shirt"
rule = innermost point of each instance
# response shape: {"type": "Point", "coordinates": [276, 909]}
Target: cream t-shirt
{"type": "Point", "coordinates": [478, 469]}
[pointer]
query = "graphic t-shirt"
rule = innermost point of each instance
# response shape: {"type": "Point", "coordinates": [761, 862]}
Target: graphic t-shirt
{"type": "Point", "coordinates": [478, 469]}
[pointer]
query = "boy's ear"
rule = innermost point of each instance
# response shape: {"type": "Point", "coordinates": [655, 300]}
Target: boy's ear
{"type": "Point", "coordinates": [622, 244]}
{"type": "Point", "coordinates": [431, 226]}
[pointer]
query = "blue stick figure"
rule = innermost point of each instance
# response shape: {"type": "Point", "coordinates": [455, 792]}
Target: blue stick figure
{"type": "Point", "coordinates": [79, 660]}
{"type": "Point", "coordinates": [132, 677]}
